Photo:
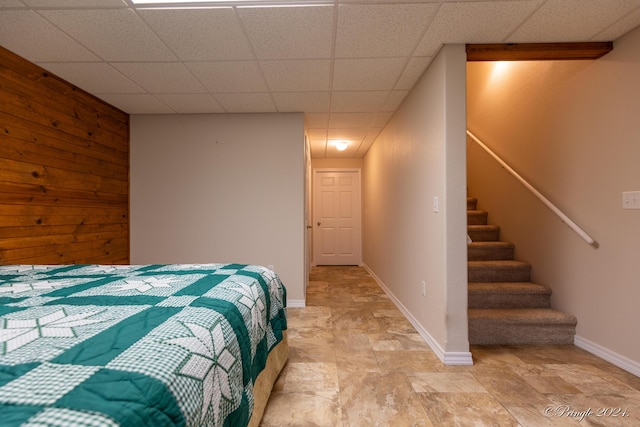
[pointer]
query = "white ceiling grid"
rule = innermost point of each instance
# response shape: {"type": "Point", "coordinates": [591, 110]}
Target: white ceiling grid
{"type": "Point", "coordinates": [347, 64]}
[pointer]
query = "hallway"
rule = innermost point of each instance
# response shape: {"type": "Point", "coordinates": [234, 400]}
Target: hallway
{"type": "Point", "coordinates": [355, 361]}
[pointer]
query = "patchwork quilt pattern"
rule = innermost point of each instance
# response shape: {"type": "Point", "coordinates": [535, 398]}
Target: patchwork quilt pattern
{"type": "Point", "coordinates": [153, 345]}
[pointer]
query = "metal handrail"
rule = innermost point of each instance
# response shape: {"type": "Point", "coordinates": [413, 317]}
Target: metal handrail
{"type": "Point", "coordinates": [583, 234]}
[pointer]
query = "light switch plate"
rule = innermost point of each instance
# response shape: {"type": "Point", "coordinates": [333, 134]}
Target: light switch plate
{"type": "Point", "coordinates": [631, 200]}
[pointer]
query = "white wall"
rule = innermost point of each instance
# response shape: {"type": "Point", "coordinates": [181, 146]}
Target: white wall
{"type": "Point", "coordinates": [571, 128]}
{"type": "Point", "coordinates": [220, 188]}
{"type": "Point", "coordinates": [421, 155]}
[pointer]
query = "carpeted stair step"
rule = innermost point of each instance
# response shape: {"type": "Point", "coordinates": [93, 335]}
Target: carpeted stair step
{"type": "Point", "coordinates": [472, 203]}
{"type": "Point", "coordinates": [498, 271]}
{"type": "Point", "coordinates": [508, 295]}
{"type": "Point", "coordinates": [520, 326]}
{"type": "Point", "coordinates": [482, 251]}
{"type": "Point", "coordinates": [476, 217]}
{"type": "Point", "coordinates": [483, 233]}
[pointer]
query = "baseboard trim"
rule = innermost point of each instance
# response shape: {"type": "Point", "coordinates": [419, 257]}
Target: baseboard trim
{"type": "Point", "coordinates": [296, 303]}
{"type": "Point", "coordinates": [448, 358]}
{"type": "Point", "coordinates": [620, 361]}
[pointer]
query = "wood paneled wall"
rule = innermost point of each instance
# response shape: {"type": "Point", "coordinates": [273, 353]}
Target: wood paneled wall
{"type": "Point", "coordinates": [64, 171]}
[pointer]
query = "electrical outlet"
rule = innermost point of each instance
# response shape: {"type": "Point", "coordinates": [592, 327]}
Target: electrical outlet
{"type": "Point", "coordinates": [424, 288]}
{"type": "Point", "coordinates": [436, 204]}
{"type": "Point", "coordinates": [631, 200]}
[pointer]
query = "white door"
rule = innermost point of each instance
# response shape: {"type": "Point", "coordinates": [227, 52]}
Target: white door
{"type": "Point", "coordinates": [336, 217]}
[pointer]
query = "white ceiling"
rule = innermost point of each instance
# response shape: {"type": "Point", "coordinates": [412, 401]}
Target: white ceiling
{"type": "Point", "coordinates": [346, 64]}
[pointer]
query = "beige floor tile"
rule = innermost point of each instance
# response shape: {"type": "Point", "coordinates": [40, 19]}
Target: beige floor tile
{"type": "Point", "coordinates": [384, 342]}
{"type": "Point", "coordinates": [466, 410]}
{"type": "Point", "coordinates": [355, 320]}
{"type": "Point", "coordinates": [408, 361]}
{"type": "Point", "coordinates": [506, 386]}
{"type": "Point", "coordinates": [298, 409]}
{"type": "Point", "coordinates": [380, 400]}
{"type": "Point", "coordinates": [310, 350]}
{"type": "Point", "coordinates": [444, 382]}
{"type": "Point", "coordinates": [348, 362]}
{"type": "Point", "coordinates": [551, 385]}
{"type": "Point", "coordinates": [540, 416]}
{"type": "Point", "coordinates": [303, 377]}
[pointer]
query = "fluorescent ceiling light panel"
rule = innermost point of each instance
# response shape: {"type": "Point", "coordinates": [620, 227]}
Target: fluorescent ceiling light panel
{"type": "Point", "coordinates": [169, 1]}
{"type": "Point", "coordinates": [182, 3]}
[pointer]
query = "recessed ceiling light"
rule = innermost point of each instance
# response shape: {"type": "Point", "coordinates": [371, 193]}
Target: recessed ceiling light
{"type": "Point", "coordinates": [341, 145]}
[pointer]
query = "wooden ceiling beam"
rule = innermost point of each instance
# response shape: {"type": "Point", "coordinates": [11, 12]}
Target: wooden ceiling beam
{"type": "Point", "coordinates": [537, 51]}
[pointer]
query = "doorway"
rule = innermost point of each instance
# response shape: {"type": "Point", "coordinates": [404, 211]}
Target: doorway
{"type": "Point", "coordinates": [337, 217]}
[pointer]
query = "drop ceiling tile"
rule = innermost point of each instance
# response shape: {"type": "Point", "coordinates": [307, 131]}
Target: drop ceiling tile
{"type": "Point", "coordinates": [94, 77]}
{"type": "Point", "coordinates": [346, 120]}
{"type": "Point", "coordinates": [364, 147]}
{"type": "Point", "coordinates": [317, 134]}
{"type": "Point", "coordinates": [413, 71]}
{"type": "Point", "coordinates": [381, 30]}
{"type": "Point", "coordinates": [569, 20]}
{"type": "Point", "coordinates": [136, 104]}
{"type": "Point", "coordinates": [316, 120]}
{"type": "Point", "coordinates": [190, 103]}
{"type": "Point", "coordinates": [161, 77]}
{"type": "Point", "coordinates": [621, 27]}
{"type": "Point", "coordinates": [246, 102]}
{"type": "Point", "coordinates": [229, 76]}
{"type": "Point", "coordinates": [297, 75]}
{"type": "Point", "coordinates": [395, 99]}
{"type": "Point", "coordinates": [373, 133]}
{"type": "Point", "coordinates": [34, 38]}
{"type": "Point", "coordinates": [358, 102]}
{"type": "Point", "coordinates": [474, 22]}
{"type": "Point", "coordinates": [112, 34]}
{"type": "Point", "coordinates": [318, 148]}
{"type": "Point", "coordinates": [75, 3]}
{"type": "Point", "coordinates": [11, 4]}
{"type": "Point", "coordinates": [313, 102]}
{"type": "Point", "coordinates": [200, 34]}
{"type": "Point", "coordinates": [382, 119]}
{"type": "Point", "coordinates": [367, 73]}
{"type": "Point", "coordinates": [351, 134]}
{"type": "Point", "coordinates": [289, 32]}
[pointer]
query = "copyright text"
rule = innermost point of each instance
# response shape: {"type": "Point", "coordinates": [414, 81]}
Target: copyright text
{"type": "Point", "coordinates": [567, 411]}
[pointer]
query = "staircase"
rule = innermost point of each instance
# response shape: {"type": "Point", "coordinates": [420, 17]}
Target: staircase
{"type": "Point", "coordinates": [504, 306]}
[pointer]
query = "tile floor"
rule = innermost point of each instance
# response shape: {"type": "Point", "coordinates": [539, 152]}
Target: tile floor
{"type": "Point", "coordinates": [355, 361]}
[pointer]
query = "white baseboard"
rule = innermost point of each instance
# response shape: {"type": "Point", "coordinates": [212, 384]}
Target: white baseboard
{"type": "Point", "coordinates": [447, 358]}
{"type": "Point", "coordinates": [608, 355]}
{"type": "Point", "coordinates": [457, 358]}
{"type": "Point", "coordinates": [296, 303]}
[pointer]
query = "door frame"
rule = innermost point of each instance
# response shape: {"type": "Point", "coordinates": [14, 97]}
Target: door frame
{"type": "Point", "coordinates": [315, 175]}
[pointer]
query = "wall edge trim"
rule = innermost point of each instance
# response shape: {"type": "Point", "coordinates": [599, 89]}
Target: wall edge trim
{"type": "Point", "coordinates": [610, 356]}
{"type": "Point", "coordinates": [448, 358]}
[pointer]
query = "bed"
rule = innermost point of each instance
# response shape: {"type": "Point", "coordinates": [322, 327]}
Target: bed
{"type": "Point", "coordinates": [152, 345]}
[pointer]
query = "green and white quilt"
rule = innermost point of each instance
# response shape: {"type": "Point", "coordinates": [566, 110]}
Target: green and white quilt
{"type": "Point", "coordinates": [152, 345]}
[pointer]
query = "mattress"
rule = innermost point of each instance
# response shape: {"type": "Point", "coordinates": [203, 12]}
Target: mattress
{"type": "Point", "coordinates": [152, 345]}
